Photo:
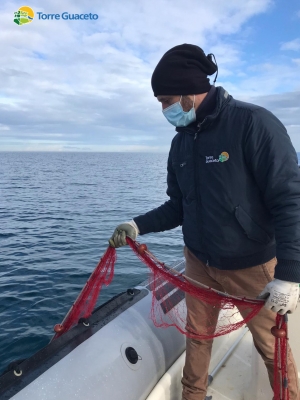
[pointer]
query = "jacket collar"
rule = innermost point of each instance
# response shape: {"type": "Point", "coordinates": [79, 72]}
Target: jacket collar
{"type": "Point", "coordinates": [207, 106]}
{"type": "Point", "coordinates": [208, 110]}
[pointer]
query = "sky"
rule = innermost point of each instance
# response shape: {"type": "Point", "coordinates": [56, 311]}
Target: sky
{"type": "Point", "coordinates": [75, 85]}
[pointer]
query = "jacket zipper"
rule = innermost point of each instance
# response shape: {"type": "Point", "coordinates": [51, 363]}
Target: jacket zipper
{"type": "Point", "coordinates": [196, 175]}
{"type": "Point", "coordinates": [199, 128]}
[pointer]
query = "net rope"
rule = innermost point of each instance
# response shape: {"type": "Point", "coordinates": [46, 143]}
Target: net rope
{"type": "Point", "coordinates": [169, 290]}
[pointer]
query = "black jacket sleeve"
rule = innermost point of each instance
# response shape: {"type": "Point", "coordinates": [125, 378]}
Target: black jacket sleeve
{"type": "Point", "coordinates": [274, 164]}
{"type": "Point", "coordinates": [169, 215]}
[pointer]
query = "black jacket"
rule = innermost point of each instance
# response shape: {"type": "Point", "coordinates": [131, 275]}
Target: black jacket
{"type": "Point", "coordinates": [234, 186]}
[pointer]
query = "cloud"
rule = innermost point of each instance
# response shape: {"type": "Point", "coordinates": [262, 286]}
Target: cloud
{"type": "Point", "coordinates": [265, 78]}
{"type": "Point", "coordinates": [86, 85]}
{"type": "Point", "coordinates": [293, 45]}
{"type": "Point", "coordinates": [296, 61]}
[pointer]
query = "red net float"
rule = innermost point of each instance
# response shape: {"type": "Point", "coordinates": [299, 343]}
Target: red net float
{"type": "Point", "coordinates": [142, 248]}
{"type": "Point", "coordinates": [58, 328]}
{"type": "Point", "coordinates": [278, 332]}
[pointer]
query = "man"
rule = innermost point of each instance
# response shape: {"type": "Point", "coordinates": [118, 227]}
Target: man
{"type": "Point", "coordinates": [234, 186]}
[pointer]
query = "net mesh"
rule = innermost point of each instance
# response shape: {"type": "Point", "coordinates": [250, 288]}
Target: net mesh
{"type": "Point", "coordinates": [169, 290]}
{"type": "Point", "coordinates": [169, 309]}
{"type": "Point", "coordinates": [86, 301]}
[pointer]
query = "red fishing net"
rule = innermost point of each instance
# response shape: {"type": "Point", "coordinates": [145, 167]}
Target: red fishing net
{"type": "Point", "coordinates": [86, 301]}
{"type": "Point", "coordinates": [169, 290]}
{"type": "Point", "coordinates": [280, 358]}
{"type": "Point", "coordinates": [224, 310]}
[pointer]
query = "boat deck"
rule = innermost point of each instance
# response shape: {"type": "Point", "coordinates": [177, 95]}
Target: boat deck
{"type": "Point", "coordinates": [242, 368]}
{"type": "Point", "coordinates": [233, 377]}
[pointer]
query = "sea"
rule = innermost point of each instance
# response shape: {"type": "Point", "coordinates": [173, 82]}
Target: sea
{"type": "Point", "coordinates": [57, 212]}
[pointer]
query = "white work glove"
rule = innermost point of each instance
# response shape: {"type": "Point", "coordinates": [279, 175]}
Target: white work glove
{"type": "Point", "coordinates": [282, 296]}
{"type": "Point", "coordinates": [118, 238]}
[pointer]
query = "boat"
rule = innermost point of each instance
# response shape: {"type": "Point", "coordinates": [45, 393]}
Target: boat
{"type": "Point", "coordinates": [118, 354]}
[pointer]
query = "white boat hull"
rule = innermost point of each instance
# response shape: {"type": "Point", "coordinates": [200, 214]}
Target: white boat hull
{"type": "Point", "coordinates": [92, 362]}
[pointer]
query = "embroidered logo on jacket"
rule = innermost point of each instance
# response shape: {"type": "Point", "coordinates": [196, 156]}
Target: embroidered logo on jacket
{"type": "Point", "coordinates": [224, 156]}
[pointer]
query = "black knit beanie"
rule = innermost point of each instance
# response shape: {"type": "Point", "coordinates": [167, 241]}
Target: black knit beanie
{"type": "Point", "coordinates": [183, 70]}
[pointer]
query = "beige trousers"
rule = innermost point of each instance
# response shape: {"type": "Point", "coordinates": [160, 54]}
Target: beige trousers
{"type": "Point", "coordinates": [243, 282]}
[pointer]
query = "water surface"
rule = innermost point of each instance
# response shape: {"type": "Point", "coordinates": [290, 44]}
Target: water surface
{"type": "Point", "coordinates": [57, 212]}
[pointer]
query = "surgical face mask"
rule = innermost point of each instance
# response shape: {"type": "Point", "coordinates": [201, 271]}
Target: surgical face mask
{"type": "Point", "coordinates": [177, 117]}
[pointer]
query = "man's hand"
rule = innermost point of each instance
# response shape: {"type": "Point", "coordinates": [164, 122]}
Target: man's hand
{"type": "Point", "coordinates": [282, 296]}
{"type": "Point", "coordinates": [118, 238]}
